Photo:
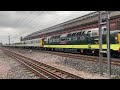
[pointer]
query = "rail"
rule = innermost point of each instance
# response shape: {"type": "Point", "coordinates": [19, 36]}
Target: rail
{"type": "Point", "coordinates": [40, 69]}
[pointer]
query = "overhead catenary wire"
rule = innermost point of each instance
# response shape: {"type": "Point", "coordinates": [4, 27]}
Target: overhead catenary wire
{"type": "Point", "coordinates": [32, 19]}
{"type": "Point", "coordinates": [24, 19]}
{"type": "Point", "coordinates": [48, 25]}
{"type": "Point", "coordinates": [59, 19]}
{"type": "Point", "coordinates": [30, 22]}
{"type": "Point", "coordinates": [44, 24]}
{"type": "Point", "coordinates": [18, 20]}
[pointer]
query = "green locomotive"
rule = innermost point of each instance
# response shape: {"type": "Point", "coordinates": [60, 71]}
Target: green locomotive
{"type": "Point", "coordinates": [85, 41]}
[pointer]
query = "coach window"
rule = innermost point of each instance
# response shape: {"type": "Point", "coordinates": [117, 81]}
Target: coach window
{"type": "Point", "coordinates": [79, 33]}
{"type": "Point", "coordinates": [82, 33]}
{"type": "Point", "coordinates": [88, 33]}
{"type": "Point", "coordinates": [68, 35]}
{"type": "Point", "coordinates": [104, 30]}
{"type": "Point", "coordinates": [72, 34]}
{"type": "Point", "coordinates": [75, 34]}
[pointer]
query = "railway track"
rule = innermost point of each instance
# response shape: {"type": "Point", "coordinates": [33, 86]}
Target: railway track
{"type": "Point", "coordinates": [114, 61]}
{"type": "Point", "coordinates": [42, 70]}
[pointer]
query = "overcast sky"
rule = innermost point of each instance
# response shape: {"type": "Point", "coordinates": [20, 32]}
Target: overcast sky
{"type": "Point", "coordinates": [22, 23]}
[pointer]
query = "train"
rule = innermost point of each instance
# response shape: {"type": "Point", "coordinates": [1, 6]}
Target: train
{"type": "Point", "coordinates": [83, 41]}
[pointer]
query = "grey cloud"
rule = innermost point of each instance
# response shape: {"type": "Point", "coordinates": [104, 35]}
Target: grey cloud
{"type": "Point", "coordinates": [11, 22]}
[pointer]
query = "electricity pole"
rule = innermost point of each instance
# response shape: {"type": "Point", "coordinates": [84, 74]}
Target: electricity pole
{"type": "Point", "coordinates": [101, 51]}
{"type": "Point", "coordinates": [9, 41]}
{"type": "Point", "coordinates": [100, 42]}
{"type": "Point", "coordinates": [108, 42]}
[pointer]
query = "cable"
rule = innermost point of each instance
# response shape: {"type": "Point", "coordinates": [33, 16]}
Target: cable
{"type": "Point", "coordinates": [18, 21]}
{"type": "Point", "coordinates": [19, 18]}
{"type": "Point", "coordinates": [31, 21]}
{"type": "Point", "coordinates": [48, 25]}
{"type": "Point", "coordinates": [59, 18]}
{"type": "Point", "coordinates": [24, 19]}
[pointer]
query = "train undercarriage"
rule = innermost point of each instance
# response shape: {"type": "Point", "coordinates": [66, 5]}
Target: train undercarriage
{"type": "Point", "coordinates": [92, 52]}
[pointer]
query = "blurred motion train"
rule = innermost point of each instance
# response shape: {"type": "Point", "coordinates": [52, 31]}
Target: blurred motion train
{"type": "Point", "coordinates": [84, 42]}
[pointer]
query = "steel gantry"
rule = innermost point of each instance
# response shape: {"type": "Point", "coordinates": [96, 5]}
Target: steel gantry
{"type": "Point", "coordinates": [101, 51]}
